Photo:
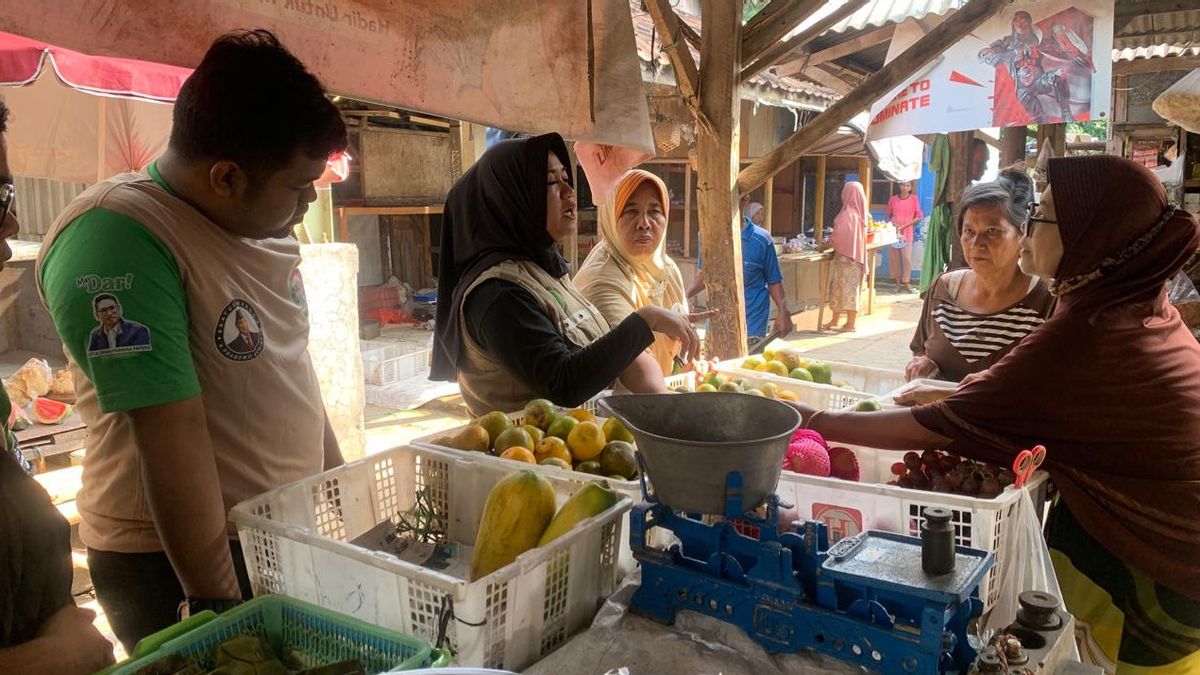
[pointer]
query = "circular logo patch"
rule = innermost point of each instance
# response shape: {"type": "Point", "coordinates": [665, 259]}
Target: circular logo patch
{"type": "Point", "coordinates": [239, 334]}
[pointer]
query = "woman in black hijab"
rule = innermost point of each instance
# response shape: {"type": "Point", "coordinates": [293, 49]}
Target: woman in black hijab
{"type": "Point", "coordinates": [510, 325]}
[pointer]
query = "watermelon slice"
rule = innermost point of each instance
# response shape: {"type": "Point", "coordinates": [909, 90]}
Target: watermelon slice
{"type": "Point", "coordinates": [49, 411]}
{"type": "Point", "coordinates": [19, 420]}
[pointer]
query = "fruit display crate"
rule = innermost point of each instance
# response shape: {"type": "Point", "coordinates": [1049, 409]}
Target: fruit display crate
{"type": "Point", "coordinates": [819, 396]}
{"type": "Point", "coordinates": [849, 507]}
{"type": "Point", "coordinates": [309, 634]}
{"type": "Point", "coordinates": [296, 541]}
{"type": "Point", "coordinates": [629, 488]}
{"type": "Point", "coordinates": [387, 363]}
{"type": "Point", "coordinates": [866, 379]}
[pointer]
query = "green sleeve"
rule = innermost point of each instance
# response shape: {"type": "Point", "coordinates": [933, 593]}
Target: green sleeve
{"type": "Point", "coordinates": [117, 300]}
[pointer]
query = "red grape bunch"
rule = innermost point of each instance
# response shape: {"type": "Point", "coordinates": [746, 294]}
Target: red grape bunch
{"type": "Point", "coordinates": [941, 472]}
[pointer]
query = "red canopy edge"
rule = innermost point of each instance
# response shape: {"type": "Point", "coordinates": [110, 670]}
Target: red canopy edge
{"type": "Point", "coordinates": [22, 61]}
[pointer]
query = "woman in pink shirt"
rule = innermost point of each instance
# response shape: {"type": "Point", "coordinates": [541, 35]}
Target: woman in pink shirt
{"type": "Point", "coordinates": [904, 211]}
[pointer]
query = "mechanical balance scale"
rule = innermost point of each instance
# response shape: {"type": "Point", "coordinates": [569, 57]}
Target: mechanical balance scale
{"type": "Point", "coordinates": [865, 600]}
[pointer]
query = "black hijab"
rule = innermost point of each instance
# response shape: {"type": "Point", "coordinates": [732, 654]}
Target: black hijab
{"type": "Point", "coordinates": [495, 212]}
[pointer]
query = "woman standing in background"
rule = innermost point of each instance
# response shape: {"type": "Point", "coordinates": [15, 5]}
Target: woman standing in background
{"type": "Point", "coordinates": [849, 243]}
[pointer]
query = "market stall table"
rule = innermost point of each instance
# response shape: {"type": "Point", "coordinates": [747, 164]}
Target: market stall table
{"type": "Point", "coordinates": [823, 259]}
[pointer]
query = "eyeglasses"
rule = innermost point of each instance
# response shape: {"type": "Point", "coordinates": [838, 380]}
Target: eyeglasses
{"type": "Point", "coordinates": [8, 195]}
{"type": "Point", "coordinates": [1031, 217]}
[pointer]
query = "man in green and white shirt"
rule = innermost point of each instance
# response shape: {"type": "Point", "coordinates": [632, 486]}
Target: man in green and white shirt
{"type": "Point", "coordinates": [147, 278]}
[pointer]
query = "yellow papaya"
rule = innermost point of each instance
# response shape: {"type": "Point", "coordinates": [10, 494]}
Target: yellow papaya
{"type": "Point", "coordinates": [517, 512]}
{"type": "Point", "coordinates": [591, 500]}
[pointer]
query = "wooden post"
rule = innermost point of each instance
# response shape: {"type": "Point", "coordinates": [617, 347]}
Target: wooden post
{"type": "Point", "coordinates": [1120, 111]}
{"type": "Point", "coordinates": [884, 80]}
{"type": "Point", "coordinates": [960, 177]}
{"type": "Point", "coordinates": [864, 177]}
{"type": "Point", "coordinates": [769, 203]}
{"type": "Point", "coordinates": [1056, 136]}
{"type": "Point", "coordinates": [819, 202]}
{"type": "Point", "coordinates": [687, 210]}
{"type": "Point", "coordinates": [720, 232]}
{"type": "Point", "coordinates": [1012, 146]}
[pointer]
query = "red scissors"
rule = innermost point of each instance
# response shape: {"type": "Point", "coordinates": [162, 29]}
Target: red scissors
{"type": "Point", "coordinates": [1027, 462]}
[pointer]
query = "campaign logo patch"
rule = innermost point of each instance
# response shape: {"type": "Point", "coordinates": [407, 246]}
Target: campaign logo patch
{"type": "Point", "coordinates": [296, 287]}
{"type": "Point", "coordinates": [115, 334]}
{"type": "Point", "coordinates": [239, 334]}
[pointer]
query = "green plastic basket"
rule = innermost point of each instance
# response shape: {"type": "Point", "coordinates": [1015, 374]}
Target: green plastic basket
{"type": "Point", "coordinates": [315, 635]}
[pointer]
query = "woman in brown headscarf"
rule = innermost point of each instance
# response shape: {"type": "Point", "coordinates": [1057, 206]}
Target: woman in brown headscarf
{"type": "Point", "coordinates": [1110, 385]}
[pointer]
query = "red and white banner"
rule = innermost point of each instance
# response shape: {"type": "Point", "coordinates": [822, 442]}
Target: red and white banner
{"type": "Point", "coordinates": [1032, 63]}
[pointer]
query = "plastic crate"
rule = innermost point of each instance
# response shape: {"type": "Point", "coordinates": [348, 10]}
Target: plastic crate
{"type": "Point", "coordinates": [848, 507]}
{"type": "Point", "coordinates": [819, 396]}
{"type": "Point", "coordinates": [687, 379]}
{"type": "Point", "coordinates": [296, 541]}
{"type": "Point", "coordinates": [388, 363]}
{"type": "Point", "coordinates": [317, 636]}
{"type": "Point", "coordinates": [859, 378]}
{"type": "Point", "coordinates": [629, 488]}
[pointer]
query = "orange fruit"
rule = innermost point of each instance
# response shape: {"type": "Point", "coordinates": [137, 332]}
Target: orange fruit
{"type": "Point", "coordinates": [586, 441]}
{"type": "Point", "coordinates": [552, 446]}
{"type": "Point", "coordinates": [519, 454]}
{"type": "Point", "coordinates": [582, 414]}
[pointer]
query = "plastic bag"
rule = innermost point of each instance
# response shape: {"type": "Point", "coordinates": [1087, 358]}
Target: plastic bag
{"type": "Point", "coordinates": [1023, 544]}
{"type": "Point", "coordinates": [1180, 103]}
{"type": "Point", "coordinates": [1182, 293]}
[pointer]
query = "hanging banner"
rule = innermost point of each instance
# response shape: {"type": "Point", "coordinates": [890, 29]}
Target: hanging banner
{"type": "Point", "coordinates": [1032, 63]}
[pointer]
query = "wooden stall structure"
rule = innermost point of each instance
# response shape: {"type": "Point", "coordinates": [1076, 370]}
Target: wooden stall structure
{"type": "Point", "coordinates": [741, 52]}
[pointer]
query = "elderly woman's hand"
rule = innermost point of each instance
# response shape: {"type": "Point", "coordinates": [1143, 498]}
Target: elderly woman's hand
{"type": "Point", "coordinates": [920, 366]}
{"type": "Point", "coordinates": [675, 325]}
{"type": "Point", "coordinates": [697, 317]}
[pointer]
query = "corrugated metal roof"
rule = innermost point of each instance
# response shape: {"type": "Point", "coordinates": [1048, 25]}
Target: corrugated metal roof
{"type": "Point", "coordinates": [804, 91]}
{"type": "Point", "coordinates": [877, 13]}
{"type": "Point", "coordinates": [1154, 52]}
{"type": "Point", "coordinates": [1166, 28]}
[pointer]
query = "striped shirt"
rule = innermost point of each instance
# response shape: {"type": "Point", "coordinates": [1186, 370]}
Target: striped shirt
{"type": "Point", "coordinates": [979, 336]}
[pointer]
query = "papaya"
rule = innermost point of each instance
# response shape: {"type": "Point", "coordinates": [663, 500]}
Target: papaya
{"type": "Point", "coordinates": [49, 411]}
{"type": "Point", "coordinates": [591, 500]}
{"type": "Point", "coordinates": [518, 510]}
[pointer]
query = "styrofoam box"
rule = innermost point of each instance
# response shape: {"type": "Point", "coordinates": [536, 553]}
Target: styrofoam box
{"type": "Point", "coordinates": [387, 363]}
{"type": "Point", "coordinates": [295, 540]}
{"type": "Point", "coordinates": [859, 378]}
{"type": "Point", "coordinates": [849, 507]}
{"type": "Point", "coordinates": [819, 396]}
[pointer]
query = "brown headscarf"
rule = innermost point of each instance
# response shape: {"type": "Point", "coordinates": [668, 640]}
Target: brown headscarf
{"type": "Point", "coordinates": [1110, 384]}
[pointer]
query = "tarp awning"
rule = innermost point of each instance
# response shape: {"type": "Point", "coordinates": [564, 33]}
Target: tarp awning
{"type": "Point", "coordinates": [522, 65]}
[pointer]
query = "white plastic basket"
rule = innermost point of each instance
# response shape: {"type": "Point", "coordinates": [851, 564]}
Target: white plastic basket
{"type": "Point", "coordinates": [629, 488]}
{"type": "Point", "coordinates": [295, 540]}
{"type": "Point", "coordinates": [819, 396]}
{"type": "Point", "coordinates": [388, 363]}
{"type": "Point", "coordinates": [859, 378]}
{"type": "Point", "coordinates": [849, 507]}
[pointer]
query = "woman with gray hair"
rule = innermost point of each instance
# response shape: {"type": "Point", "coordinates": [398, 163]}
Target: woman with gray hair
{"type": "Point", "coordinates": [973, 317]}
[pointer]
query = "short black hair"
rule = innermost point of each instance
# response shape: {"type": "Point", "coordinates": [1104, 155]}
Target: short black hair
{"type": "Point", "coordinates": [251, 101]}
{"type": "Point", "coordinates": [4, 113]}
{"type": "Point", "coordinates": [1012, 191]}
{"type": "Point", "coordinates": [100, 297]}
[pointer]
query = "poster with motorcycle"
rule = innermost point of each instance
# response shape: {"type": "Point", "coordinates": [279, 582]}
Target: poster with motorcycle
{"type": "Point", "coordinates": [1032, 63]}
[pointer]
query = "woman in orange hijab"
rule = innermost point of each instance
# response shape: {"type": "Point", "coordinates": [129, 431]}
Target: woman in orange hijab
{"type": "Point", "coordinates": [629, 268]}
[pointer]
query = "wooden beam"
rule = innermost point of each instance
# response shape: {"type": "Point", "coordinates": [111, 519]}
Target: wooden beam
{"type": "Point", "coordinates": [781, 50]}
{"type": "Point", "coordinates": [687, 77]}
{"type": "Point", "coordinates": [720, 226]}
{"type": "Point", "coordinates": [1012, 146]}
{"type": "Point", "coordinates": [956, 182]}
{"type": "Point", "coordinates": [864, 177]}
{"type": "Point", "coordinates": [853, 46]}
{"type": "Point", "coordinates": [687, 210]}
{"type": "Point", "coordinates": [824, 77]}
{"type": "Point", "coordinates": [1056, 136]}
{"type": "Point", "coordinates": [819, 201]}
{"type": "Point", "coordinates": [689, 34]}
{"type": "Point", "coordinates": [773, 23]}
{"type": "Point", "coordinates": [1156, 65]}
{"type": "Point", "coordinates": [769, 203]}
{"type": "Point", "coordinates": [895, 73]}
